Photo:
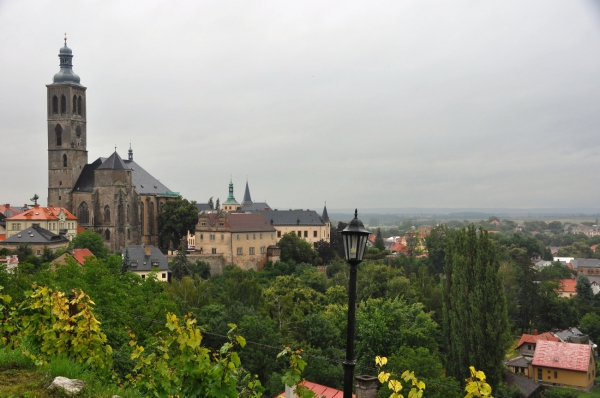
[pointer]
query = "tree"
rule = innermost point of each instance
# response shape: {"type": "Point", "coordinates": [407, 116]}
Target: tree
{"type": "Point", "coordinates": [436, 243]}
{"type": "Point", "coordinates": [295, 248]}
{"type": "Point", "coordinates": [126, 263]}
{"type": "Point", "coordinates": [325, 251]}
{"type": "Point", "coordinates": [218, 205]}
{"type": "Point", "coordinates": [590, 324]}
{"type": "Point", "coordinates": [180, 266]}
{"type": "Point", "coordinates": [24, 251]}
{"type": "Point", "coordinates": [584, 289]}
{"type": "Point", "coordinates": [177, 218]}
{"type": "Point", "coordinates": [90, 240]}
{"type": "Point", "coordinates": [379, 240]}
{"type": "Point", "coordinates": [475, 321]}
{"type": "Point", "coordinates": [526, 278]}
{"type": "Point", "coordinates": [211, 204]}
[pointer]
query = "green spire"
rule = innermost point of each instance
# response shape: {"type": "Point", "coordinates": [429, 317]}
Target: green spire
{"type": "Point", "coordinates": [231, 199]}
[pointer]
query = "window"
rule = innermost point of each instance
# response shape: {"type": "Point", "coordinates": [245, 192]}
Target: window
{"type": "Point", "coordinates": [299, 234]}
{"type": "Point", "coordinates": [306, 234]}
{"type": "Point", "coordinates": [143, 276]}
{"type": "Point", "coordinates": [202, 223]}
{"type": "Point", "coordinates": [107, 235]}
{"type": "Point", "coordinates": [106, 214]}
{"type": "Point", "coordinates": [39, 252]}
{"type": "Point", "coordinates": [83, 213]}
{"type": "Point", "coordinates": [164, 275]}
{"type": "Point", "coordinates": [555, 374]}
{"type": "Point", "coordinates": [214, 250]}
{"type": "Point", "coordinates": [54, 104]}
{"type": "Point", "coordinates": [212, 236]}
{"type": "Point", "coordinates": [251, 251]}
{"type": "Point", "coordinates": [314, 234]}
{"type": "Point", "coordinates": [539, 374]}
{"type": "Point", "coordinates": [272, 236]}
{"type": "Point", "coordinates": [238, 236]}
{"type": "Point", "coordinates": [254, 236]}
{"type": "Point", "coordinates": [78, 131]}
{"type": "Point", "coordinates": [79, 105]}
{"type": "Point", "coordinates": [262, 250]}
{"type": "Point", "coordinates": [63, 104]}
{"type": "Point", "coordinates": [155, 263]}
{"type": "Point", "coordinates": [64, 160]}
{"type": "Point", "coordinates": [201, 236]}
{"type": "Point", "coordinates": [221, 224]}
{"type": "Point", "coordinates": [529, 346]}
{"type": "Point", "coordinates": [260, 236]}
{"type": "Point", "coordinates": [240, 251]}
{"type": "Point", "coordinates": [278, 234]}
{"type": "Point", "coordinates": [142, 217]}
{"type": "Point", "coordinates": [58, 134]}
{"type": "Point", "coordinates": [247, 236]}
{"type": "Point", "coordinates": [127, 215]}
{"type": "Point", "coordinates": [134, 263]}
{"type": "Point", "coordinates": [74, 104]}
{"type": "Point", "coordinates": [128, 235]}
{"type": "Point", "coordinates": [222, 237]}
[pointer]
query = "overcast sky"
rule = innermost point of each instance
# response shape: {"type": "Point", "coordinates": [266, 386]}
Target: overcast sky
{"type": "Point", "coordinates": [372, 104]}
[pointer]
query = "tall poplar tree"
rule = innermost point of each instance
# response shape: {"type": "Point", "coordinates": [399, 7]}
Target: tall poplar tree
{"type": "Point", "coordinates": [475, 321]}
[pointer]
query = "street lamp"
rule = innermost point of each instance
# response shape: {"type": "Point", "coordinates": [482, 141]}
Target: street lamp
{"type": "Point", "coordinates": [355, 240]}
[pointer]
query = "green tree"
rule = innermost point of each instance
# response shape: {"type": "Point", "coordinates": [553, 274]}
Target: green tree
{"type": "Point", "coordinates": [475, 322]}
{"type": "Point", "coordinates": [326, 252]}
{"type": "Point", "coordinates": [180, 265]}
{"type": "Point", "coordinates": [126, 263]}
{"type": "Point", "coordinates": [211, 204]}
{"type": "Point", "coordinates": [177, 218]}
{"type": "Point", "coordinates": [590, 324]}
{"type": "Point", "coordinates": [526, 278]}
{"type": "Point", "coordinates": [379, 240]}
{"type": "Point", "coordinates": [90, 240]}
{"type": "Point", "coordinates": [297, 249]}
{"type": "Point", "coordinates": [436, 243]}
{"type": "Point", "coordinates": [584, 289]}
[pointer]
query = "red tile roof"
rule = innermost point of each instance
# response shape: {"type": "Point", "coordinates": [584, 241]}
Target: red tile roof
{"type": "Point", "coordinates": [568, 285]}
{"type": "Point", "coordinates": [321, 391]}
{"type": "Point", "coordinates": [2, 236]}
{"type": "Point", "coordinates": [534, 338]}
{"type": "Point", "coordinates": [4, 207]}
{"type": "Point", "coordinates": [80, 229]}
{"type": "Point", "coordinates": [38, 212]}
{"type": "Point", "coordinates": [81, 254]}
{"type": "Point", "coordinates": [372, 238]}
{"type": "Point", "coordinates": [559, 355]}
{"type": "Point", "coordinates": [399, 248]}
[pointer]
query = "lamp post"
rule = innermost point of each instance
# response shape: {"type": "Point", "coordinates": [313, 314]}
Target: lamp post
{"type": "Point", "coordinates": [355, 240]}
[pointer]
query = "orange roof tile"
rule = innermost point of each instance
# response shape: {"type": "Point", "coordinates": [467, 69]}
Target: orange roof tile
{"type": "Point", "coordinates": [399, 248]}
{"type": "Point", "coordinates": [5, 207]}
{"type": "Point", "coordinates": [321, 391]}
{"type": "Point", "coordinates": [2, 236]}
{"type": "Point", "coordinates": [534, 338]}
{"type": "Point", "coordinates": [560, 355]}
{"type": "Point", "coordinates": [38, 212]}
{"type": "Point", "coordinates": [80, 229]}
{"type": "Point", "coordinates": [568, 285]}
{"type": "Point", "coordinates": [81, 254]}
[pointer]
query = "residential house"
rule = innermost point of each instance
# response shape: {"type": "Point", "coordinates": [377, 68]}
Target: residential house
{"type": "Point", "coordinates": [567, 288]}
{"type": "Point", "coordinates": [586, 266]}
{"type": "Point", "coordinates": [245, 239]}
{"type": "Point", "coordinates": [564, 364]}
{"type": "Point", "coordinates": [528, 387]}
{"type": "Point", "coordinates": [37, 238]}
{"type": "Point", "coordinates": [526, 347]}
{"type": "Point", "coordinates": [307, 224]}
{"type": "Point", "coordinates": [11, 263]}
{"type": "Point", "coordinates": [57, 220]}
{"type": "Point", "coordinates": [79, 255]}
{"type": "Point", "coordinates": [583, 229]}
{"type": "Point", "coordinates": [144, 259]}
{"type": "Point", "coordinates": [575, 336]}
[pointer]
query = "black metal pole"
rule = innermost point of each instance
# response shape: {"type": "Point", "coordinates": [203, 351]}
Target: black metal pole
{"type": "Point", "coordinates": [350, 362]}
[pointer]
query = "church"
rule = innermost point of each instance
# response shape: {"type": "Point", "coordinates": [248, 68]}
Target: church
{"type": "Point", "coordinates": [113, 196]}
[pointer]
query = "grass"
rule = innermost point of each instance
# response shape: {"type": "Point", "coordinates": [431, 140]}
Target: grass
{"type": "Point", "coordinates": [512, 350]}
{"type": "Point", "coordinates": [593, 394]}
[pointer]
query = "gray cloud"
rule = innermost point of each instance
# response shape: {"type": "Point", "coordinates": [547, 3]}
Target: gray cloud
{"type": "Point", "coordinates": [367, 104]}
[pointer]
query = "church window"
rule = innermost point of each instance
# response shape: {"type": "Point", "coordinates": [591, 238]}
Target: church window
{"type": "Point", "coordinates": [142, 217]}
{"type": "Point", "coordinates": [128, 235]}
{"type": "Point", "coordinates": [106, 213]}
{"type": "Point", "coordinates": [64, 160]}
{"type": "Point", "coordinates": [107, 235]}
{"type": "Point", "coordinates": [55, 104]}
{"type": "Point", "coordinates": [63, 104]}
{"type": "Point", "coordinates": [78, 131]}
{"type": "Point", "coordinates": [127, 215]}
{"type": "Point", "coordinates": [151, 218]}
{"type": "Point", "coordinates": [79, 105]}
{"type": "Point", "coordinates": [119, 214]}
{"type": "Point", "coordinates": [58, 134]}
{"type": "Point", "coordinates": [83, 213]}
{"type": "Point", "coordinates": [74, 104]}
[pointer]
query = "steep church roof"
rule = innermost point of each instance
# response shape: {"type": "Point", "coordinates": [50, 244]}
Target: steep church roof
{"type": "Point", "coordinates": [325, 216]}
{"type": "Point", "coordinates": [247, 199]}
{"type": "Point", "coordinates": [114, 162]}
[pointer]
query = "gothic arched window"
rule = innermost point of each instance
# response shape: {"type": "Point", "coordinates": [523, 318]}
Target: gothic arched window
{"type": "Point", "coordinates": [142, 217]}
{"type": "Point", "coordinates": [58, 134]}
{"type": "Point", "coordinates": [64, 160]}
{"type": "Point", "coordinates": [79, 105]}
{"type": "Point", "coordinates": [128, 235]}
{"type": "Point", "coordinates": [78, 131]}
{"type": "Point", "coordinates": [106, 213]}
{"type": "Point", "coordinates": [107, 235]}
{"type": "Point", "coordinates": [83, 213]}
{"type": "Point", "coordinates": [151, 217]}
{"type": "Point", "coordinates": [63, 104]}
{"type": "Point", "coordinates": [74, 104]}
{"type": "Point", "coordinates": [119, 214]}
{"type": "Point", "coordinates": [127, 215]}
{"type": "Point", "coordinates": [55, 104]}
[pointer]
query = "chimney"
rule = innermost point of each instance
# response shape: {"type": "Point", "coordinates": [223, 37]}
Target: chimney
{"type": "Point", "coordinates": [535, 332]}
{"type": "Point", "coordinates": [148, 250]}
{"type": "Point", "coordinates": [366, 386]}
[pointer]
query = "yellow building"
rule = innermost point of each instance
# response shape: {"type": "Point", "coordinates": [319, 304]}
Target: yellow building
{"type": "Point", "coordinates": [243, 239]}
{"type": "Point", "coordinates": [563, 364]}
{"type": "Point", "coordinates": [307, 224]}
{"type": "Point", "coordinates": [57, 220]}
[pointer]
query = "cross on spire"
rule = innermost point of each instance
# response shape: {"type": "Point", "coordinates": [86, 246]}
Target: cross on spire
{"type": "Point", "coordinates": [65, 38]}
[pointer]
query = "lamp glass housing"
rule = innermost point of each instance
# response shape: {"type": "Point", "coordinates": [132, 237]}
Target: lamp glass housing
{"type": "Point", "coordinates": [355, 239]}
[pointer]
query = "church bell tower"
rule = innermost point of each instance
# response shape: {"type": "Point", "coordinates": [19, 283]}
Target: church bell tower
{"type": "Point", "coordinates": [67, 153]}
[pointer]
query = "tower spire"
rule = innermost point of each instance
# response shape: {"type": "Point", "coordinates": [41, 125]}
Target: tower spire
{"type": "Point", "coordinates": [130, 152]}
{"type": "Point", "coordinates": [66, 75]}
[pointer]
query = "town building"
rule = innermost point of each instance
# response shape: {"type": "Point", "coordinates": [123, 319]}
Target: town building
{"type": "Point", "coordinates": [57, 220]}
{"type": "Point", "coordinates": [114, 197]}
{"type": "Point", "coordinates": [79, 255]}
{"type": "Point", "coordinates": [245, 239]}
{"type": "Point", "coordinates": [564, 364]}
{"type": "Point", "coordinates": [567, 288]}
{"type": "Point", "coordinates": [37, 238]}
{"type": "Point", "coordinates": [586, 266]}
{"type": "Point", "coordinates": [145, 259]}
{"type": "Point", "coordinates": [307, 224]}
